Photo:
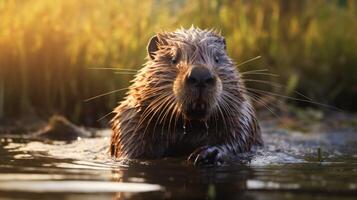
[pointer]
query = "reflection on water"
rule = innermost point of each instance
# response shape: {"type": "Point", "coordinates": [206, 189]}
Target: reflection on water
{"type": "Point", "coordinates": [77, 186]}
{"type": "Point", "coordinates": [286, 167]}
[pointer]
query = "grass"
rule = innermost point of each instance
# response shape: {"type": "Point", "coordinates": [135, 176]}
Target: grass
{"type": "Point", "coordinates": [46, 48]}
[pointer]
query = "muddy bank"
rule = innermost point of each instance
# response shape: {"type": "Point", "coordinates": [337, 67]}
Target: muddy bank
{"type": "Point", "coordinates": [57, 128]}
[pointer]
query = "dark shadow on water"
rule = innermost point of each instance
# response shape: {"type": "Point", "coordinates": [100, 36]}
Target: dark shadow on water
{"type": "Point", "coordinates": [181, 180]}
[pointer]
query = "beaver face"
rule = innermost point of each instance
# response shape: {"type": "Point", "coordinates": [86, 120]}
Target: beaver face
{"type": "Point", "coordinates": [199, 91]}
{"type": "Point", "coordinates": [196, 60]}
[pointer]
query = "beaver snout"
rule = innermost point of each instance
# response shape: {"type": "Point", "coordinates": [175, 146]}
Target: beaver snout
{"type": "Point", "coordinates": [200, 91]}
{"type": "Point", "coordinates": [200, 77]}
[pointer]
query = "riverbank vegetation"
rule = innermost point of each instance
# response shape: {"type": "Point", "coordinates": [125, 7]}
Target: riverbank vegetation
{"type": "Point", "coordinates": [48, 47]}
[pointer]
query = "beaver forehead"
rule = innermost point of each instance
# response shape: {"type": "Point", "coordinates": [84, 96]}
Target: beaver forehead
{"type": "Point", "coordinates": [194, 37]}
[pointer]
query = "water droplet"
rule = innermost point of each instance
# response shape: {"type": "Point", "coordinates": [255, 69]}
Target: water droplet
{"type": "Point", "coordinates": [206, 125]}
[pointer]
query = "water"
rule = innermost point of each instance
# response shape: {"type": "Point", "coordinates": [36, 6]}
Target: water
{"type": "Point", "coordinates": [286, 168]}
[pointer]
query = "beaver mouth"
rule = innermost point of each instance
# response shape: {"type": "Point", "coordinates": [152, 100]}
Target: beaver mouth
{"type": "Point", "coordinates": [197, 111]}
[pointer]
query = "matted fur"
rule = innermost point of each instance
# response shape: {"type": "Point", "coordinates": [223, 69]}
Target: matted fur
{"type": "Point", "coordinates": [150, 122]}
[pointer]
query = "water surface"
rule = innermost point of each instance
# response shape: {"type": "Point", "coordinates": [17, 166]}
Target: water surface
{"type": "Point", "coordinates": [287, 167]}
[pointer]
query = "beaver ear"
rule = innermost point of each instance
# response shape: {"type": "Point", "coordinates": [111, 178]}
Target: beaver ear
{"type": "Point", "coordinates": [154, 43]}
{"type": "Point", "coordinates": [153, 46]}
{"type": "Point", "coordinates": [224, 43]}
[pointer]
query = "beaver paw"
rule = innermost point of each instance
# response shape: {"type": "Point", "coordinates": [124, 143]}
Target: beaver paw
{"type": "Point", "coordinates": [206, 155]}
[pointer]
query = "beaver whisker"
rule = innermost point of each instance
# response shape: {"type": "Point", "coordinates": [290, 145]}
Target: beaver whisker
{"type": "Point", "coordinates": [104, 116]}
{"type": "Point", "coordinates": [154, 93]}
{"type": "Point", "coordinates": [156, 89]}
{"type": "Point", "coordinates": [258, 99]}
{"type": "Point", "coordinates": [225, 109]}
{"type": "Point", "coordinates": [178, 114]}
{"type": "Point", "coordinates": [259, 95]}
{"type": "Point", "coordinates": [276, 85]}
{"type": "Point", "coordinates": [292, 98]}
{"type": "Point", "coordinates": [168, 104]}
{"type": "Point", "coordinates": [231, 102]}
{"type": "Point", "coordinates": [107, 93]}
{"type": "Point", "coordinates": [223, 118]}
{"type": "Point", "coordinates": [306, 97]}
{"type": "Point", "coordinates": [255, 70]}
{"type": "Point", "coordinates": [125, 73]}
{"type": "Point", "coordinates": [152, 106]}
{"type": "Point", "coordinates": [247, 61]}
{"type": "Point", "coordinates": [163, 109]}
{"type": "Point", "coordinates": [259, 73]}
{"type": "Point", "coordinates": [161, 104]}
{"type": "Point", "coordinates": [152, 109]}
{"type": "Point", "coordinates": [163, 119]}
{"type": "Point", "coordinates": [174, 110]}
{"type": "Point", "coordinates": [114, 69]}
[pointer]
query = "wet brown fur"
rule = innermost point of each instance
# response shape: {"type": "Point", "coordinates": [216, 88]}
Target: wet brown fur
{"type": "Point", "coordinates": [151, 123]}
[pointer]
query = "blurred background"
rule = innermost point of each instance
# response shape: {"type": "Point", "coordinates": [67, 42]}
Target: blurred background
{"type": "Point", "coordinates": [48, 47]}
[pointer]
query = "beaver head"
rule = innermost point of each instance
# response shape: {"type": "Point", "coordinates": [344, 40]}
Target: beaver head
{"type": "Point", "coordinates": [195, 64]}
{"type": "Point", "coordinates": [188, 80]}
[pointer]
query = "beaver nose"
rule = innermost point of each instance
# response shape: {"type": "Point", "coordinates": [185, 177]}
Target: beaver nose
{"type": "Point", "coordinates": [200, 77]}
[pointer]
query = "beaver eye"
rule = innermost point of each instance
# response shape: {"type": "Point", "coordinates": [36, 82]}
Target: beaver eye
{"type": "Point", "coordinates": [216, 59]}
{"type": "Point", "coordinates": [174, 60]}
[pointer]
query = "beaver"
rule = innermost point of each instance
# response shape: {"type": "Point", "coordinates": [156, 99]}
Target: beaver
{"type": "Point", "coordinates": [188, 99]}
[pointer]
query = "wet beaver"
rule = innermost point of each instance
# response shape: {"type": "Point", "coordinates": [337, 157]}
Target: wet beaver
{"type": "Point", "coordinates": [188, 99]}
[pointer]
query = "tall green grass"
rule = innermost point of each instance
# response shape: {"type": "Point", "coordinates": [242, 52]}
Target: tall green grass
{"type": "Point", "coordinates": [46, 47]}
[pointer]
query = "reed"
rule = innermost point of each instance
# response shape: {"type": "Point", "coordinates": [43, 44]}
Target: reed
{"type": "Point", "coordinates": [48, 47]}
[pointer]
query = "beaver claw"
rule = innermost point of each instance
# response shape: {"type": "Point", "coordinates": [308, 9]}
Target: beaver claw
{"type": "Point", "coordinates": [206, 155]}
